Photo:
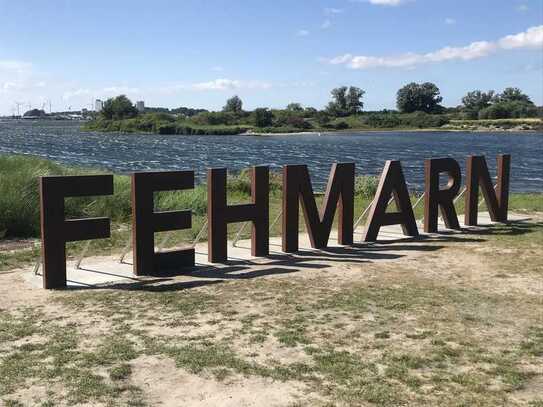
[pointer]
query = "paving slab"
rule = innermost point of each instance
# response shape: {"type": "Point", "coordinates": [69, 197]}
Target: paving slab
{"type": "Point", "coordinates": [100, 271]}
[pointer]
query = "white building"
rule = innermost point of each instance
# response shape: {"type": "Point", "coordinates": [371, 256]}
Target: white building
{"type": "Point", "coordinates": [140, 105]}
{"type": "Point", "coordinates": [98, 105]}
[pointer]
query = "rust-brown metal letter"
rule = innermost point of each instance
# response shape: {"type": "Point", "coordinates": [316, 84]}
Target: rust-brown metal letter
{"type": "Point", "coordinates": [220, 214]}
{"type": "Point", "coordinates": [443, 199]}
{"type": "Point", "coordinates": [56, 230]}
{"type": "Point", "coordinates": [392, 182]}
{"type": "Point", "coordinates": [146, 222]}
{"type": "Point", "coordinates": [496, 200]}
{"type": "Point", "coordinates": [339, 194]}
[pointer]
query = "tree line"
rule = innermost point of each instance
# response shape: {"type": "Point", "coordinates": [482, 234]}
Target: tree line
{"type": "Point", "coordinates": [418, 105]}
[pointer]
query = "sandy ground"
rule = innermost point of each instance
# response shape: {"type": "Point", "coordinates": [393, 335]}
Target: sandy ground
{"type": "Point", "coordinates": [452, 258]}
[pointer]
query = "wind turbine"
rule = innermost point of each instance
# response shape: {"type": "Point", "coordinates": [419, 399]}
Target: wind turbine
{"type": "Point", "coordinates": [19, 104]}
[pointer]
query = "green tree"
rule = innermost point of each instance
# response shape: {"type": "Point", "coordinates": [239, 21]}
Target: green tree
{"type": "Point", "coordinates": [345, 101]}
{"type": "Point", "coordinates": [338, 105]}
{"type": "Point", "coordinates": [310, 111]}
{"type": "Point", "coordinates": [476, 101]}
{"type": "Point", "coordinates": [511, 103]}
{"type": "Point", "coordinates": [295, 107]}
{"type": "Point", "coordinates": [509, 109]}
{"type": "Point", "coordinates": [513, 95]}
{"type": "Point", "coordinates": [234, 105]}
{"type": "Point", "coordinates": [263, 117]}
{"type": "Point", "coordinates": [424, 97]}
{"type": "Point", "coordinates": [118, 108]}
{"type": "Point", "coordinates": [354, 100]}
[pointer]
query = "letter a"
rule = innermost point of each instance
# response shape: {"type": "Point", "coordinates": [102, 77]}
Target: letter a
{"type": "Point", "coordinates": [392, 182]}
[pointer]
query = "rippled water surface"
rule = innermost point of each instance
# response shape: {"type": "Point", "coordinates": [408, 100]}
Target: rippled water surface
{"type": "Point", "coordinates": [65, 143]}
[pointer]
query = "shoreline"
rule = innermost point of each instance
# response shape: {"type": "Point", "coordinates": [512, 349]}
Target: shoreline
{"type": "Point", "coordinates": [426, 130]}
{"type": "Point", "coordinates": [525, 128]}
{"type": "Point", "coordinates": [337, 132]}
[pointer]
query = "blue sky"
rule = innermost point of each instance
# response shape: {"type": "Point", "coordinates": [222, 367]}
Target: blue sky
{"type": "Point", "coordinates": [200, 52]}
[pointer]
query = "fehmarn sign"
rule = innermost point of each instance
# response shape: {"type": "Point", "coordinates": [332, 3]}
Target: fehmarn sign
{"type": "Point", "coordinates": [339, 196]}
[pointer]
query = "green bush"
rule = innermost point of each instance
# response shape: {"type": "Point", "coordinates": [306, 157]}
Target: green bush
{"type": "Point", "coordinates": [195, 200]}
{"type": "Point", "coordinates": [407, 120]}
{"type": "Point", "coordinates": [377, 120]}
{"type": "Point", "coordinates": [215, 118]}
{"type": "Point", "coordinates": [341, 125]}
{"type": "Point", "coordinates": [263, 117]}
{"type": "Point", "coordinates": [19, 199]}
{"type": "Point", "coordinates": [366, 186]}
{"type": "Point", "coordinates": [167, 129]}
{"type": "Point", "coordinates": [241, 182]}
{"type": "Point", "coordinates": [424, 120]}
{"type": "Point", "coordinates": [509, 110]}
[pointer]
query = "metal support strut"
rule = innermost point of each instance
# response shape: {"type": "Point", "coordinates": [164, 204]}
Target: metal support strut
{"type": "Point", "coordinates": [359, 220]}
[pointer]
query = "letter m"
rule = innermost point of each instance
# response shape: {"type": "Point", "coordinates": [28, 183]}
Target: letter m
{"type": "Point", "coordinates": [339, 194]}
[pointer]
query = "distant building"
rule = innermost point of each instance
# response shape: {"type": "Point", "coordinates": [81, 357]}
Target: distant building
{"type": "Point", "coordinates": [140, 105]}
{"type": "Point", "coordinates": [98, 105]}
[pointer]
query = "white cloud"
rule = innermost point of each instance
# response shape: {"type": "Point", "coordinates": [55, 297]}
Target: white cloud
{"type": "Point", "coordinates": [522, 8]}
{"type": "Point", "coordinates": [17, 76]}
{"type": "Point", "coordinates": [76, 92]}
{"type": "Point", "coordinates": [342, 59]}
{"type": "Point", "coordinates": [117, 90]}
{"type": "Point", "coordinates": [214, 85]}
{"type": "Point", "coordinates": [229, 84]}
{"type": "Point", "coordinates": [331, 11]}
{"type": "Point", "coordinates": [217, 68]}
{"type": "Point", "coordinates": [10, 85]}
{"type": "Point", "coordinates": [450, 21]}
{"type": "Point", "coordinates": [302, 33]}
{"type": "Point", "coordinates": [387, 2]}
{"type": "Point", "coordinates": [15, 66]}
{"type": "Point", "coordinates": [531, 38]}
{"type": "Point", "coordinates": [100, 93]}
{"type": "Point", "coordinates": [472, 51]}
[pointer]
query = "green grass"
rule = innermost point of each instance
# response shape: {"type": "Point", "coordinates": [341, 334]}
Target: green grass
{"type": "Point", "coordinates": [56, 356]}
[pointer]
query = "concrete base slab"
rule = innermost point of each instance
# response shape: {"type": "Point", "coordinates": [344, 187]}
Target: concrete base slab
{"type": "Point", "coordinates": [100, 271]}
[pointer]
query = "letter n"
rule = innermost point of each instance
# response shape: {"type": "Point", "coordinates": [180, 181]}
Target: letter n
{"type": "Point", "coordinates": [392, 182]}
{"type": "Point", "coordinates": [497, 200]}
{"type": "Point", "coordinates": [146, 222]}
{"type": "Point", "coordinates": [56, 230]}
{"type": "Point", "coordinates": [339, 194]}
{"type": "Point", "coordinates": [443, 199]}
{"type": "Point", "coordinates": [219, 214]}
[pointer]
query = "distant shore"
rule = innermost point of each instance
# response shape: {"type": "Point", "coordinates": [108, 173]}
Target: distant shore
{"type": "Point", "coordinates": [475, 126]}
